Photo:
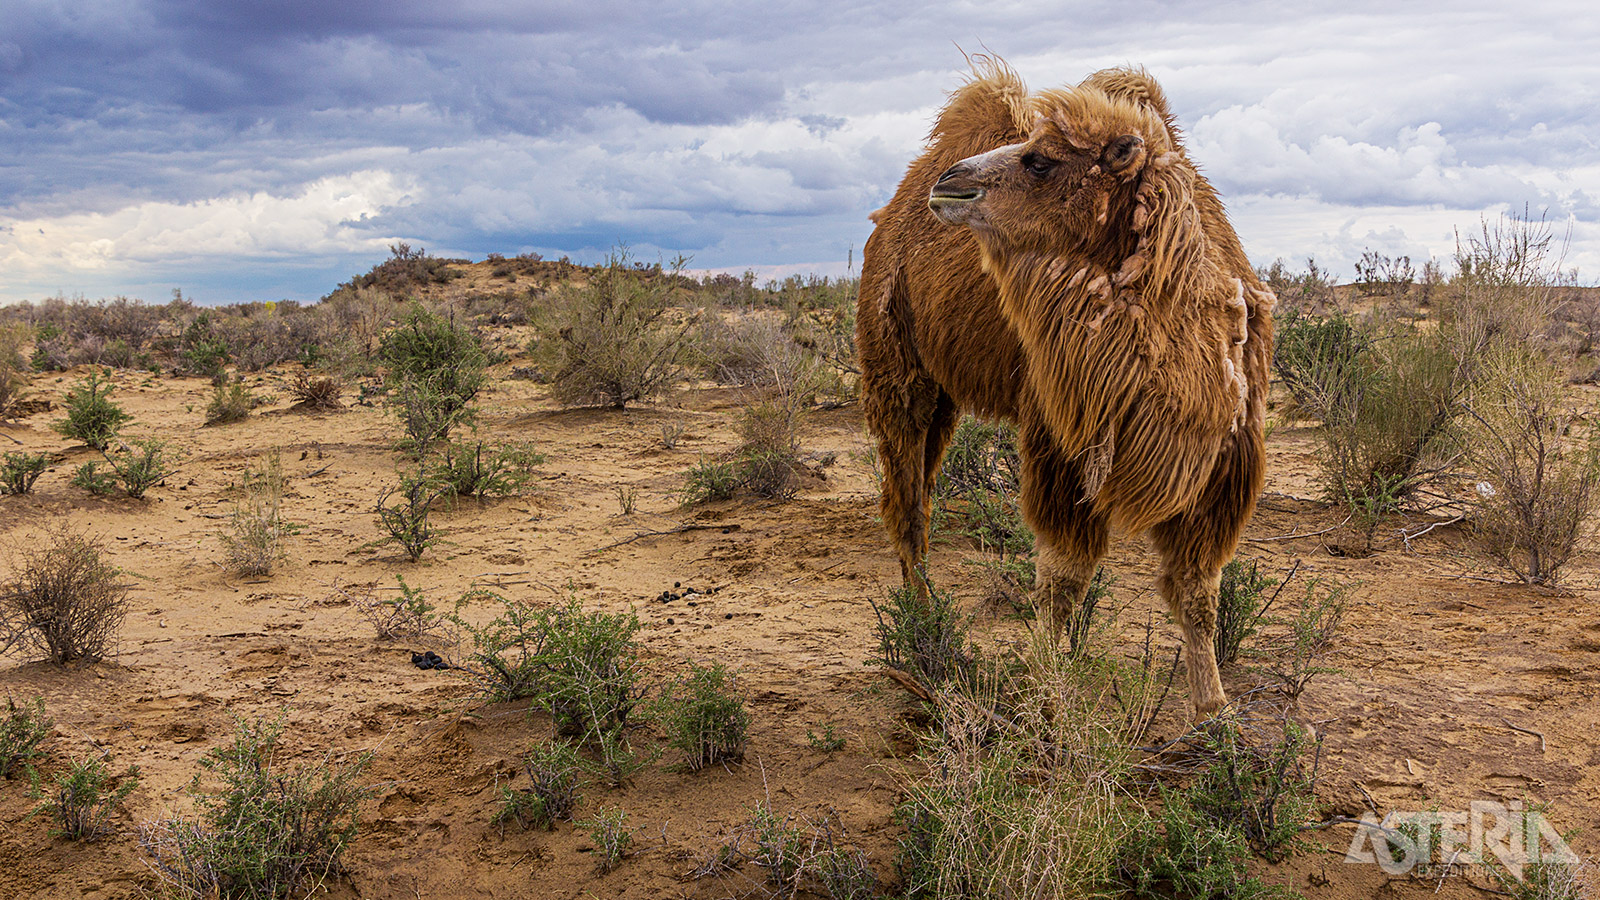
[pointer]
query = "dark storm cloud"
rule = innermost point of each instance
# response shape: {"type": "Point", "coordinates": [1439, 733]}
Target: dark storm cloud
{"type": "Point", "coordinates": [141, 132]}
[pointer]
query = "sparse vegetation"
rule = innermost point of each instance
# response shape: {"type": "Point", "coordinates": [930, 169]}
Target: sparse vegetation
{"type": "Point", "coordinates": [435, 370]}
{"type": "Point", "coordinates": [140, 465]}
{"type": "Point", "coordinates": [406, 522]}
{"type": "Point", "coordinates": [64, 600]}
{"type": "Point", "coordinates": [82, 798]}
{"type": "Point", "coordinates": [613, 840]}
{"type": "Point", "coordinates": [925, 638]}
{"type": "Point", "coordinates": [1540, 478]}
{"type": "Point", "coordinates": [253, 542]}
{"type": "Point", "coordinates": [703, 713]}
{"type": "Point", "coordinates": [316, 391]}
{"type": "Point", "coordinates": [613, 341]}
{"type": "Point", "coordinates": [22, 732]}
{"type": "Point", "coordinates": [91, 416]}
{"type": "Point", "coordinates": [265, 832]}
{"type": "Point", "coordinates": [556, 773]}
{"type": "Point", "coordinates": [481, 469]}
{"type": "Point", "coordinates": [230, 403]}
{"type": "Point", "coordinates": [20, 470]}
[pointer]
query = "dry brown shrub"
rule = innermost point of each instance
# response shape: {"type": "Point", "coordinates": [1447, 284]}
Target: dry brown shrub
{"type": "Point", "coordinates": [64, 600]}
{"type": "Point", "coordinates": [1539, 473]}
{"type": "Point", "coordinates": [317, 391]}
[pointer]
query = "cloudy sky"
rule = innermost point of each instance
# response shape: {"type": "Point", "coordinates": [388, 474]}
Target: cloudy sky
{"type": "Point", "coordinates": [267, 149]}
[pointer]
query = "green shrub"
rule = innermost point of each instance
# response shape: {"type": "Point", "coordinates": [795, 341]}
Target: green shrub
{"type": "Point", "coordinates": [480, 469]}
{"type": "Point", "coordinates": [91, 416]}
{"type": "Point", "coordinates": [1242, 605]}
{"type": "Point", "coordinates": [1181, 852]}
{"type": "Point", "coordinates": [556, 773]}
{"type": "Point", "coordinates": [704, 715]}
{"type": "Point", "coordinates": [22, 731]}
{"type": "Point", "coordinates": [926, 638]}
{"type": "Point", "coordinates": [65, 600]}
{"type": "Point", "coordinates": [506, 660]}
{"type": "Point", "coordinates": [435, 370]}
{"type": "Point", "coordinates": [612, 341]}
{"type": "Point", "coordinates": [140, 465]}
{"type": "Point", "coordinates": [1263, 786]}
{"type": "Point", "coordinates": [613, 842]}
{"type": "Point", "coordinates": [409, 614]}
{"type": "Point", "coordinates": [230, 403]}
{"type": "Point", "coordinates": [711, 480]}
{"type": "Point", "coordinates": [82, 798]}
{"type": "Point", "coordinates": [20, 470]}
{"type": "Point", "coordinates": [265, 832]}
{"type": "Point", "coordinates": [406, 522]}
{"type": "Point", "coordinates": [89, 477]}
{"type": "Point", "coordinates": [1299, 651]}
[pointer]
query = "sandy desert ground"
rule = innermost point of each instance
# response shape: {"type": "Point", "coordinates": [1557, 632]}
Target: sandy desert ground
{"type": "Point", "coordinates": [1438, 658]}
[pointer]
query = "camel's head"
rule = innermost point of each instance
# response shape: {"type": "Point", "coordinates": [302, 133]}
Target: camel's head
{"type": "Point", "coordinates": [1072, 186]}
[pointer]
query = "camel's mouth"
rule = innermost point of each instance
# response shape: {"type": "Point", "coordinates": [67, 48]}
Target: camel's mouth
{"type": "Point", "coordinates": [954, 205]}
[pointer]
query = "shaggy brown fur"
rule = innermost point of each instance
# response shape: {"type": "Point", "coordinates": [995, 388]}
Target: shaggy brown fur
{"type": "Point", "coordinates": [1097, 297]}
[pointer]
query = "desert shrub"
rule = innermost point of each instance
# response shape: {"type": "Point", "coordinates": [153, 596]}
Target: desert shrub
{"type": "Point", "coordinates": [1506, 290]}
{"type": "Point", "coordinates": [264, 832]}
{"type": "Point", "coordinates": [89, 477]}
{"type": "Point", "coordinates": [253, 541]}
{"type": "Point", "coordinates": [556, 773]}
{"type": "Point", "coordinates": [435, 370]}
{"type": "Point", "coordinates": [140, 465]}
{"type": "Point", "coordinates": [1021, 794]}
{"type": "Point", "coordinates": [1242, 605]}
{"type": "Point", "coordinates": [230, 403]}
{"type": "Point", "coordinates": [506, 659]}
{"type": "Point", "coordinates": [924, 637]}
{"type": "Point", "coordinates": [1260, 781]}
{"type": "Point", "coordinates": [317, 391]}
{"type": "Point", "coordinates": [480, 469]}
{"type": "Point", "coordinates": [1538, 486]}
{"type": "Point", "coordinates": [202, 351]}
{"type": "Point", "coordinates": [1390, 430]}
{"type": "Point", "coordinates": [613, 841]}
{"type": "Point", "coordinates": [593, 673]}
{"type": "Point", "coordinates": [748, 351]}
{"type": "Point", "coordinates": [409, 614]}
{"type": "Point", "coordinates": [1181, 852]}
{"type": "Point", "coordinates": [1298, 651]}
{"type": "Point", "coordinates": [91, 416]}
{"type": "Point", "coordinates": [406, 521]}
{"type": "Point", "coordinates": [612, 341]}
{"type": "Point", "coordinates": [13, 374]}
{"type": "Point", "coordinates": [82, 798]}
{"type": "Point", "coordinates": [1308, 291]}
{"type": "Point", "coordinates": [22, 731]}
{"type": "Point", "coordinates": [1317, 359]}
{"type": "Point", "coordinates": [703, 713]}
{"type": "Point", "coordinates": [978, 489]}
{"type": "Point", "coordinates": [64, 599]}
{"type": "Point", "coordinates": [711, 480]}
{"type": "Point", "coordinates": [1378, 275]}
{"type": "Point", "coordinates": [20, 470]}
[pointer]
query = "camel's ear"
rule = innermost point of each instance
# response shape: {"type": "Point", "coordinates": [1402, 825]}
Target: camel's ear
{"type": "Point", "coordinates": [1124, 153]}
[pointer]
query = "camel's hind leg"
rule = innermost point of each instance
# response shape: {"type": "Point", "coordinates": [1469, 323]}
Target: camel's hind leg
{"type": "Point", "coordinates": [1070, 536]}
{"type": "Point", "coordinates": [911, 443]}
{"type": "Point", "coordinates": [1194, 547]}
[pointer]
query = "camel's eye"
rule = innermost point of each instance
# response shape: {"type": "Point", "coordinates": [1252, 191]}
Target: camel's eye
{"type": "Point", "coordinates": [1037, 164]}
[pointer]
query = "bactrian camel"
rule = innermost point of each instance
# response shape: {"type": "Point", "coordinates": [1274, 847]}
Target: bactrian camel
{"type": "Point", "coordinates": [1056, 260]}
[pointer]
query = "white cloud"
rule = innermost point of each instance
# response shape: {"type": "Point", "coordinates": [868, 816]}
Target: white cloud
{"type": "Point", "coordinates": [324, 216]}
